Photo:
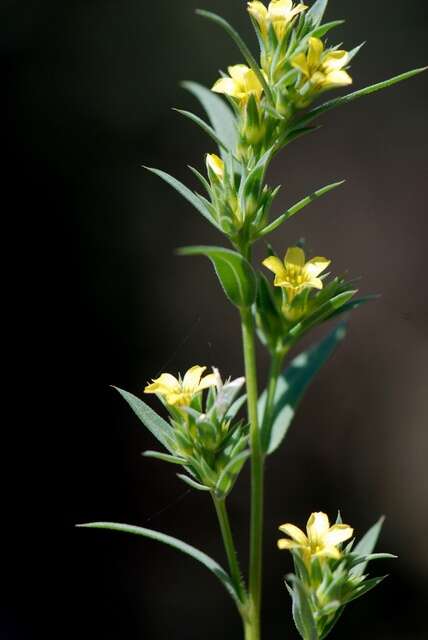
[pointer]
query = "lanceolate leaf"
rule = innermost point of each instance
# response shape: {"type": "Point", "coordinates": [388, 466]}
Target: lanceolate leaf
{"type": "Point", "coordinates": [241, 46]}
{"type": "Point", "coordinates": [185, 192]}
{"type": "Point", "coordinates": [235, 273]}
{"type": "Point", "coordinates": [291, 387]}
{"type": "Point", "coordinates": [201, 557]}
{"type": "Point", "coordinates": [154, 423]}
{"type": "Point", "coordinates": [219, 114]}
{"type": "Point", "coordinates": [299, 206]}
{"type": "Point", "coordinates": [366, 545]}
{"type": "Point", "coordinates": [205, 127]}
{"type": "Point", "coordinates": [337, 102]}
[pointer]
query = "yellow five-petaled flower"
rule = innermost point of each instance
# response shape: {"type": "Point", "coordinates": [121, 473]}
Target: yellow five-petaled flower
{"type": "Point", "coordinates": [324, 70]}
{"type": "Point", "coordinates": [294, 274]}
{"type": "Point", "coordinates": [241, 84]}
{"type": "Point", "coordinates": [279, 14]}
{"type": "Point", "coordinates": [180, 392]}
{"type": "Point", "coordinates": [320, 540]}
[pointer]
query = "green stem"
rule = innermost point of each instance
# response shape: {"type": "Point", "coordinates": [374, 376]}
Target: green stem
{"type": "Point", "coordinates": [257, 464]}
{"type": "Point", "coordinates": [229, 545]}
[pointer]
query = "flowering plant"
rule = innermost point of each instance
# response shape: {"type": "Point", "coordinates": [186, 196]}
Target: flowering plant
{"type": "Point", "coordinates": [254, 110]}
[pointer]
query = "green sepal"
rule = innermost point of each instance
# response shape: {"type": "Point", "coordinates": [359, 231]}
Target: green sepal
{"type": "Point", "coordinates": [316, 12]}
{"type": "Point", "coordinates": [230, 473]}
{"type": "Point", "coordinates": [191, 197]}
{"type": "Point", "coordinates": [205, 127]}
{"type": "Point", "coordinates": [221, 22]}
{"type": "Point", "coordinates": [299, 206]}
{"type": "Point", "coordinates": [365, 587]}
{"type": "Point", "coordinates": [366, 545]}
{"type": "Point", "coordinates": [235, 273]}
{"type": "Point", "coordinates": [150, 419]}
{"type": "Point", "coordinates": [164, 457]}
{"type": "Point", "coordinates": [219, 114]}
{"type": "Point", "coordinates": [192, 483]}
{"type": "Point", "coordinates": [291, 387]}
{"type": "Point", "coordinates": [302, 612]}
{"type": "Point", "coordinates": [198, 555]}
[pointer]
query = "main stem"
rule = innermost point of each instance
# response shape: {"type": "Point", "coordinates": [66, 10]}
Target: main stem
{"type": "Point", "coordinates": [257, 464]}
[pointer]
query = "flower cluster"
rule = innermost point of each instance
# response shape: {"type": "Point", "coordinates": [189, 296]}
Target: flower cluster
{"type": "Point", "coordinates": [205, 437]}
{"type": "Point", "coordinates": [327, 576]}
{"type": "Point", "coordinates": [299, 299]}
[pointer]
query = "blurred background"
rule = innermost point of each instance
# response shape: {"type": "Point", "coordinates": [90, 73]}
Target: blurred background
{"type": "Point", "coordinates": [100, 298]}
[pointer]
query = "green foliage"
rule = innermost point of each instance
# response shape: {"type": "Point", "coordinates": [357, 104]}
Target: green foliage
{"type": "Point", "coordinates": [291, 388]}
{"type": "Point", "coordinates": [234, 272]}
{"type": "Point", "coordinates": [198, 555]}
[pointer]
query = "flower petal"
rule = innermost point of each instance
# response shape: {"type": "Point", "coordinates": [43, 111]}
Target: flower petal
{"type": "Point", "coordinates": [192, 378]}
{"type": "Point", "coordinates": [258, 11]}
{"type": "Point", "coordinates": [275, 265]}
{"type": "Point", "coordinates": [280, 9]}
{"type": "Point", "coordinates": [338, 533]}
{"type": "Point", "coordinates": [299, 62]}
{"type": "Point", "coordinates": [226, 86]}
{"type": "Point", "coordinates": [335, 60]}
{"type": "Point", "coordinates": [283, 543]}
{"type": "Point", "coordinates": [295, 533]}
{"type": "Point", "coordinates": [338, 79]}
{"type": "Point", "coordinates": [238, 72]}
{"type": "Point", "coordinates": [315, 266]}
{"type": "Point", "coordinates": [295, 256]}
{"type": "Point", "coordinates": [166, 383]}
{"type": "Point", "coordinates": [328, 552]}
{"type": "Point", "coordinates": [208, 381]}
{"type": "Point", "coordinates": [317, 527]}
{"type": "Point", "coordinates": [315, 51]}
{"type": "Point", "coordinates": [216, 164]}
{"type": "Point", "coordinates": [316, 283]}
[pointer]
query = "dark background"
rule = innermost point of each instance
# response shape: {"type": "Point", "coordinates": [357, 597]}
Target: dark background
{"type": "Point", "coordinates": [98, 298]}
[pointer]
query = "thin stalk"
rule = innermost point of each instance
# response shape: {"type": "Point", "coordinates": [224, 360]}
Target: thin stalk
{"type": "Point", "coordinates": [229, 546]}
{"type": "Point", "coordinates": [257, 468]}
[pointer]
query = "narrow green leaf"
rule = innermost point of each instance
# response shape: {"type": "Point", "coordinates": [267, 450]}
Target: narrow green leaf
{"type": "Point", "coordinates": [185, 192]}
{"type": "Point", "coordinates": [192, 483]}
{"type": "Point", "coordinates": [299, 206]}
{"type": "Point", "coordinates": [365, 587]}
{"type": "Point", "coordinates": [236, 406]}
{"type": "Point", "coordinates": [150, 419]}
{"type": "Point", "coordinates": [367, 544]}
{"type": "Point", "coordinates": [221, 22]}
{"type": "Point", "coordinates": [234, 272]}
{"type": "Point", "coordinates": [372, 556]}
{"type": "Point", "coordinates": [198, 555]}
{"type": "Point", "coordinates": [164, 457]}
{"type": "Point", "coordinates": [337, 102]}
{"type": "Point", "coordinates": [321, 31]}
{"type": "Point", "coordinates": [219, 114]}
{"type": "Point", "coordinates": [317, 11]}
{"type": "Point", "coordinates": [291, 387]}
{"type": "Point", "coordinates": [324, 312]}
{"type": "Point", "coordinates": [205, 127]}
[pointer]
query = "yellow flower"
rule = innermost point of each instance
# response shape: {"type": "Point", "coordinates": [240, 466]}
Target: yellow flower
{"type": "Point", "coordinates": [321, 539]}
{"type": "Point", "coordinates": [323, 69]}
{"type": "Point", "coordinates": [293, 274]}
{"type": "Point", "coordinates": [242, 83]}
{"type": "Point", "coordinates": [280, 13]}
{"type": "Point", "coordinates": [181, 392]}
{"type": "Point", "coordinates": [216, 165]}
